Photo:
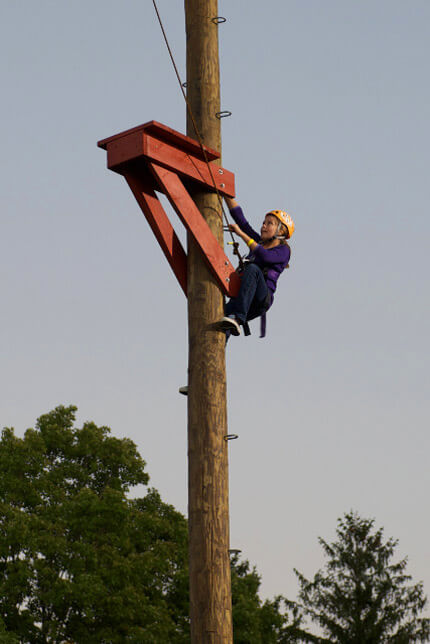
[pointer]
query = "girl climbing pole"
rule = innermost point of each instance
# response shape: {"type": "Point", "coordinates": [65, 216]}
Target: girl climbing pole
{"type": "Point", "coordinates": [268, 257]}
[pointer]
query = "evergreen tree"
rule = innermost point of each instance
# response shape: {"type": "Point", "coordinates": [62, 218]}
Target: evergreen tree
{"type": "Point", "coordinates": [361, 596]}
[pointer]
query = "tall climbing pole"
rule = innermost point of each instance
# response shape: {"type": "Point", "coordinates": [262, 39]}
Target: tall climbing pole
{"type": "Point", "coordinates": [155, 159]}
{"type": "Point", "coordinates": [208, 511]}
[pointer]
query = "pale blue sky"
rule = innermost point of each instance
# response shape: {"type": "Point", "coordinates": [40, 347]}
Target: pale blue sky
{"type": "Point", "coordinates": [330, 105]}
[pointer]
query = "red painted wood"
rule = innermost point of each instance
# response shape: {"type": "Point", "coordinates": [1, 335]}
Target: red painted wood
{"type": "Point", "coordinates": [153, 153]}
{"type": "Point", "coordinates": [219, 264]}
{"type": "Point", "coordinates": [165, 133]}
{"type": "Point", "coordinates": [138, 146]}
{"type": "Point", "coordinates": [121, 151]}
{"type": "Point", "coordinates": [189, 166]}
{"type": "Point", "coordinates": [141, 186]}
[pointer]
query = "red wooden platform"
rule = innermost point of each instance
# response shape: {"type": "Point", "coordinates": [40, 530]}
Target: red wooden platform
{"type": "Point", "coordinates": [154, 158]}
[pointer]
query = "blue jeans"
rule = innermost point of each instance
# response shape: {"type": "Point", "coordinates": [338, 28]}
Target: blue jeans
{"type": "Point", "coordinates": [252, 299]}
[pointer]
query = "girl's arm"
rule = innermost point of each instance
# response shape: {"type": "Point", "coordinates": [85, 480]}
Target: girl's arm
{"type": "Point", "coordinates": [240, 219]}
{"type": "Point", "coordinates": [249, 241]}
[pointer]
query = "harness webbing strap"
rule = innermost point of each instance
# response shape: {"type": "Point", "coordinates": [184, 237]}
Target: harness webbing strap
{"type": "Point", "coordinates": [246, 329]}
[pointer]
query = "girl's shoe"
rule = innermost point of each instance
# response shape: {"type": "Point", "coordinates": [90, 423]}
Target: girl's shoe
{"type": "Point", "coordinates": [228, 324]}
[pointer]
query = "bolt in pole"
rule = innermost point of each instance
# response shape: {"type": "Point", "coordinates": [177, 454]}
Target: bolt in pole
{"type": "Point", "coordinates": [210, 584]}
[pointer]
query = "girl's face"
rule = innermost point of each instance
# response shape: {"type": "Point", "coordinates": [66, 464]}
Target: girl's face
{"type": "Point", "coordinates": [269, 227]}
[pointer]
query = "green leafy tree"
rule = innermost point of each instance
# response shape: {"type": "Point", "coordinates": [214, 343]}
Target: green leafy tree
{"type": "Point", "coordinates": [255, 621]}
{"type": "Point", "coordinates": [79, 561]}
{"type": "Point", "coordinates": [5, 636]}
{"type": "Point", "coordinates": [361, 597]}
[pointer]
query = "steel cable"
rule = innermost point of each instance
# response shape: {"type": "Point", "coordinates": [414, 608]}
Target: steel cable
{"type": "Point", "coordinates": [190, 112]}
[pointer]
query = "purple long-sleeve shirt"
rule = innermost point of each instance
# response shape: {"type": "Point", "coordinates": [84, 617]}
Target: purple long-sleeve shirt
{"type": "Point", "coordinates": [274, 259]}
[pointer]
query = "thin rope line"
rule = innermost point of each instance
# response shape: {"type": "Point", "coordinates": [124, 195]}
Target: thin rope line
{"type": "Point", "coordinates": [197, 132]}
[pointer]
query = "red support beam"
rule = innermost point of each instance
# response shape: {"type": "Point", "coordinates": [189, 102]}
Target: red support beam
{"type": "Point", "coordinates": [221, 267]}
{"type": "Point", "coordinates": [153, 157]}
{"type": "Point", "coordinates": [190, 166]}
{"type": "Point", "coordinates": [161, 227]}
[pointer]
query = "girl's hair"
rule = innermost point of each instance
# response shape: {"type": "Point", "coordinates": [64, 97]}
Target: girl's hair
{"type": "Point", "coordinates": [282, 234]}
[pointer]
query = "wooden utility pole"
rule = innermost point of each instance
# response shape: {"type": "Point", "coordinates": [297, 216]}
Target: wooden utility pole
{"type": "Point", "coordinates": [210, 584]}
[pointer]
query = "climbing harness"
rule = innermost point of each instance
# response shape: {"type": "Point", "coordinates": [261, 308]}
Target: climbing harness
{"type": "Point", "coordinates": [267, 303]}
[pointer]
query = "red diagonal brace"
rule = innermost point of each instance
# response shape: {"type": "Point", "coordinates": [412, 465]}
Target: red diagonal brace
{"type": "Point", "coordinates": [153, 157]}
{"type": "Point", "coordinates": [140, 184]}
{"type": "Point", "coordinates": [189, 166]}
{"type": "Point", "coordinates": [219, 264]}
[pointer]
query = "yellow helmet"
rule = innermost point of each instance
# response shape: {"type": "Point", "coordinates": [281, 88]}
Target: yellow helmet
{"type": "Point", "coordinates": [285, 219]}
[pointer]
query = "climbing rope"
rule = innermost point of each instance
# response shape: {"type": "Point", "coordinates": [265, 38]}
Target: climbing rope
{"type": "Point", "coordinates": [182, 85]}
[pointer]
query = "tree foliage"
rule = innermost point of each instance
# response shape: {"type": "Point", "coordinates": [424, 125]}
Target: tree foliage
{"type": "Point", "coordinates": [255, 621]}
{"type": "Point", "coordinates": [361, 596]}
{"type": "Point", "coordinates": [82, 563]}
{"type": "Point", "coordinates": [79, 561]}
{"type": "Point", "coordinates": [5, 636]}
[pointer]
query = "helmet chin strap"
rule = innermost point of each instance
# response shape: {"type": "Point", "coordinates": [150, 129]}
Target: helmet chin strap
{"type": "Point", "coordinates": [276, 236]}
